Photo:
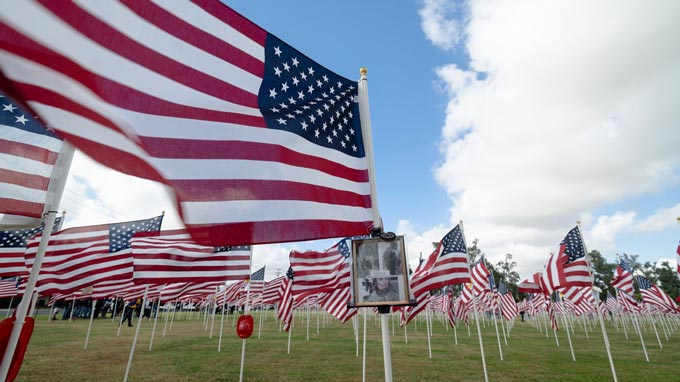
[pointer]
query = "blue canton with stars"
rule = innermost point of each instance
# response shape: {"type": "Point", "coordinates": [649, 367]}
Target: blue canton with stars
{"type": "Point", "coordinates": [492, 282]}
{"type": "Point", "coordinates": [573, 246]}
{"type": "Point", "coordinates": [625, 266]}
{"type": "Point", "coordinates": [16, 117]}
{"type": "Point", "coordinates": [643, 282]}
{"type": "Point", "coordinates": [232, 248]}
{"type": "Point", "coordinates": [19, 238]}
{"type": "Point", "coordinates": [290, 273]}
{"type": "Point", "coordinates": [121, 233]}
{"type": "Point", "coordinates": [343, 248]}
{"type": "Point", "coordinates": [453, 242]}
{"type": "Point", "coordinates": [300, 96]}
{"type": "Point", "coordinates": [259, 275]}
{"type": "Point", "coordinates": [502, 289]}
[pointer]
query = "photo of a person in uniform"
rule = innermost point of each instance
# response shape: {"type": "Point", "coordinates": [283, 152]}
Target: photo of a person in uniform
{"type": "Point", "coordinates": [392, 259]}
{"type": "Point", "coordinates": [383, 289]}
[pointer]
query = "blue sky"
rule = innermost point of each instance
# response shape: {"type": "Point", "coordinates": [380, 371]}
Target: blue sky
{"type": "Point", "coordinates": [518, 118]}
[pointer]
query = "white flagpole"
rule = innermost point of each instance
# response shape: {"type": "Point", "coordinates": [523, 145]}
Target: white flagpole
{"type": "Point", "coordinates": [596, 296]}
{"type": "Point", "coordinates": [290, 327]}
{"type": "Point", "coordinates": [245, 311]}
{"type": "Point", "coordinates": [642, 341]}
{"type": "Point", "coordinates": [212, 322]}
{"type": "Point", "coordinates": [427, 322]}
{"type": "Point", "coordinates": [115, 304]}
{"type": "Point", "coordinates": [73, 307]}
{"type": "Point", "coordinates": [224, 308]}
{"type": "Point", "coordinates": [571, 347]}
{"type": "Point", "coordinates": [54, 192]}
{"type": "Point", "coordinates": [498, 337]}
{"type": "Point", "coordinates": [474, 308]}
{"type": "Point", "coordinates": [155, 319]}
{"type": "Point", "coordinates": [259, 329]}
{"type": "Point", "coordinates": [134, 340]}
{"type": "Point", "coordinates": [49, 318]}
{"type": "Point", "coordinates": [89, 327]}
{"type": "Point", "coordinates": [363, 362]}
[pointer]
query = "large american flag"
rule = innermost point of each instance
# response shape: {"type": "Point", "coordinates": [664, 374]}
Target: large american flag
{"type": "Point", "coordinates": [28, 152]}
{"type": "Point", "coordinates": [76, 258]}
{"type": "Point", "coordinates": [653, 295]}
{"type": "Point", "coordinates": [447, 265]}
{"type": "Point", "coordinates": [174, 257]}
{"type": "Point", "coordinates": [259, 143]}
{"type": "Point", "coordinates": [317, 272]}
{"type": "Point", "coordinates": [13, 245]}
{"type": "Point", "coordinates": [623, 277]}
{"type": "Point", "coordinates": [571, 267]}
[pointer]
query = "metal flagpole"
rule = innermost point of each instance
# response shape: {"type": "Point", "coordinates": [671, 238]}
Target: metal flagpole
{"type": "Point", "coordinates": [9, 307]}
{"type": "Point", "coordinates": [155, 319]}
{"type": "Point", "coordinates": [134, 340]}
{"type": "Point", "coordinates": [596, 296]}
{"type": "Point", "coordinates": [54, 192]}
{"type": "Point", "coordinates": [363, 362]}
{"type": "Point", "coordinates": [474, 308]}
{"type": "Point", "coordinates": [498, 337]}
{"type": "Point", "coordinates": [429, 333]}
{"type": "Point", "coordinates": [89, 327]}
{"type": "Point", "coordinates": [224, 308]}
{"type": "Point", "coordinates": [566, 327]}
{"type": "Point", "coordinates": [245, 311]}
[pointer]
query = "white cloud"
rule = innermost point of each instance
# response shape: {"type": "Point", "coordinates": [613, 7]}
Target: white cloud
{"type": "Point", "coordinates": [438, 23]}
{"type": "Point", "coordinates": [663, 218]}
{"type": "Point", "coordinates": [565, 108]}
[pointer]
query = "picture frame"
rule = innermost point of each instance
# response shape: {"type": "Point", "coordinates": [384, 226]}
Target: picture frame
{"type": "Point", "coordinates": [379, 272]}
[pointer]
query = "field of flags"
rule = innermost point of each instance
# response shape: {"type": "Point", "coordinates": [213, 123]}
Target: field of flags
{"type": "Point", "coordinates": [258, 144]}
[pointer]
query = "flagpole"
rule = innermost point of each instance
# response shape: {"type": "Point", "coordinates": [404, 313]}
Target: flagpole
{"type": "Point", "coordinates": [367, 135]}
{"type": "Point", "coordinates": [245, 311]}
{"type": "Point", "coordinates": [89, 327]}
{"type": "Point", "coordinates": [474, 308]}
{"type": "Point", "coordinates": [54, 192]}
{"type": "Point", "coordinates": [597, 311]}
{"type": "Point", "coordinates": [134, 340]}
{"type": "Point", "coordinates": [155, 319]}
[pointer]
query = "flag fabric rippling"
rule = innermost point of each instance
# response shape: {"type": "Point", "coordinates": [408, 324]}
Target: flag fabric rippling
{"type": "Point", "coordinates": [76, 258]}
{"type": "Point", "coordinates": [13, 245]}
{"type": "Point", "coordinates": [195, 96]}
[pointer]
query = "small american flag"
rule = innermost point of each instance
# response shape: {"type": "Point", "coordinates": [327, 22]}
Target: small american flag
{"type": "Point", "coordinates": [286, 305]}
{"type": "Point", "coordinates": [257, 281]}
{"type": "Point", "coordinates": [273, 290]}
{"type": "Point", "coordinates": [317, 272]}
{"type": "Point", "coordinates": [571, 265]}
{"type": "Point", "coordinates": [13, 245]}
{"type": "Point", "coordinates": [653, 295]}
{"type": "Point", "coordinates": [447, 265]}
{"type": "Point", "coordinates": [623, 277]}
{"type": "Point", "coordinates": [28, 152]}
{"type": "Point", "coordinates": [76, 258]}
{"type": "Point", "coordinates": [194, 95]}
{"type": "Point", "coordinates": [480, 278]}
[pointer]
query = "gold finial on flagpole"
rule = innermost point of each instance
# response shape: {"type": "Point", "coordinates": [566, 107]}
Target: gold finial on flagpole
{"type": "Point", "coordinates": [363, 71]}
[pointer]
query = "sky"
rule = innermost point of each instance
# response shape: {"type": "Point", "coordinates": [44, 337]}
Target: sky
{"type": "Point", "coordinates": [518, 118]}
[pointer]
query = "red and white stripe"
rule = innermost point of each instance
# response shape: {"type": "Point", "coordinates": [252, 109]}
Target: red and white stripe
{"type": "Point", "coordinates": [273, 290]}
{"type": "Point", "coordinates": [335, 303]}
{"type": "Point", "coordinates": [317, 272]}
{"type": "Point", "coordinates": [168, 91]}
{"type": "Point", "coordinates": [174, 257]}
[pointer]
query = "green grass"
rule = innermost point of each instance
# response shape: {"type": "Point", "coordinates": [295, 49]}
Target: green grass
{"type": "Point", "coordinates": [187, 354]}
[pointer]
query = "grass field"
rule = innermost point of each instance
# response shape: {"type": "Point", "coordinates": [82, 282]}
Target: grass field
{"type": "Point", "coordinates": [187, 354]}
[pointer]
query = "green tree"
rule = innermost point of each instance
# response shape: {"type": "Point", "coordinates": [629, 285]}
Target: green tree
{"type": "Point", "coordinates": [507, 274]}
{"type": "Point", "coordinates": [474, 252]}
{"type": "Point", "coordinates": [667, 279]}
{"type": "Point", "coordinates": [603, 271]}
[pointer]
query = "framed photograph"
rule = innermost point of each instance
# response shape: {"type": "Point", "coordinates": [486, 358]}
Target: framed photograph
{"type": "Point", "coordinates": [379, 272]}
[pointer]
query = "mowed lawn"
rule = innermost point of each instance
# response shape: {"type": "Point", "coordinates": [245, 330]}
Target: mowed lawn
{"type": "Point", "coordinates": [186, 353]}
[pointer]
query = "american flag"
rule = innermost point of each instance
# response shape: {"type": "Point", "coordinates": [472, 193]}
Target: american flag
{"type": "Point", "coordinates": [194, 95]}
{"type": "Point", "coordinates": [231, 292]}
{"type": "Point", "coordinates": [529, 286]}
{"type": "Point", "coordinates": [335, 303]}
{"type": "Point", "coordinates": [480, 278]}
{"type": "Point", "coordinates": [317, 272]}
{"type": "Point", "coordinates": [8, 288]}
{"type": "Point", "coordinates": [273, 290]}
{"type": "Point", "coordinates": [174, 257]}
{"type": "Point", "coordinates": [13, 245]}
{"type": "Point", "coordinates": [623, 278]}
{"type": "Point", "coordinates": [610, 302]}
{"type": "Point", "coordinates": [447, 265]}
{"type": "Point", "coordinates": [576, 294]}
{"type": "Point", "coordinates": [76, 258]}
{"type": "Point", "coordinates": [653, 295]}
{"type": "Point", "coordinates": [626, 301]}
{"type": "Point", "coordinates": [257, 281]}
{"type": "Point", "coordinates": [285, 312]}
{"type": "Point", "coordinates": [509, 308]}
{"type": "Point", "coordinates": [571, 266]}
{"type": "Point", "coordinates": [28, 153]}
